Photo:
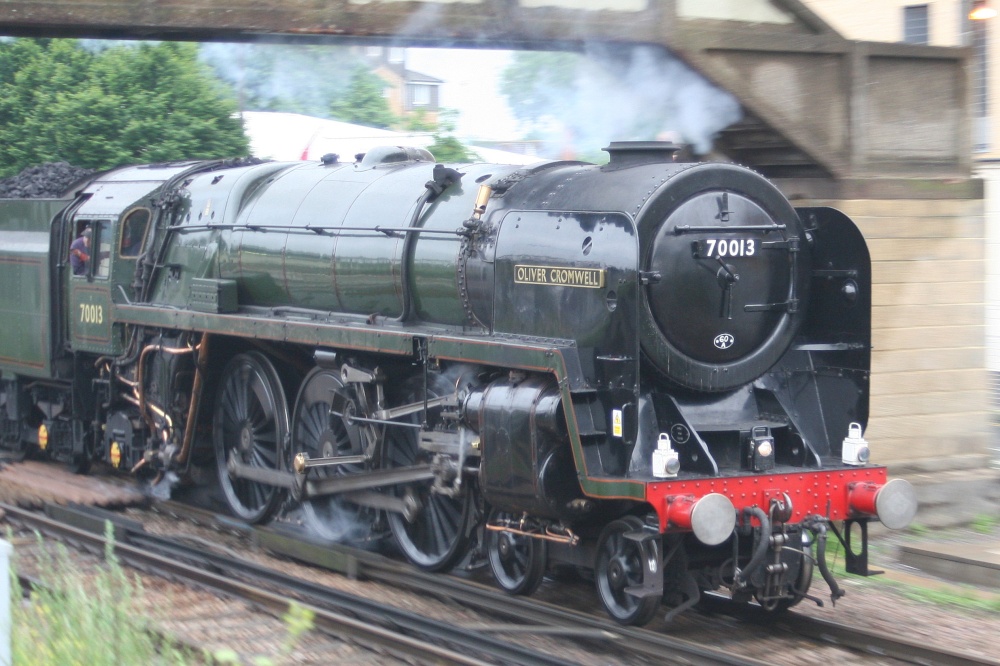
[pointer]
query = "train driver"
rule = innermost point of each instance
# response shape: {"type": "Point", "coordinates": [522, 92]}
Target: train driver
{"type": "Point", "coordinates": [79, 252]}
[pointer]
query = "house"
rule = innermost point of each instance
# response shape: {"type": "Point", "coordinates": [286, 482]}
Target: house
{"type": "Point", "coordinates": [408, 92]}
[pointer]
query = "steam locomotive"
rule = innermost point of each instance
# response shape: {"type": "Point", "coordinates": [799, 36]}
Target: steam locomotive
{"type": "Point", "coordinates": [651, 369]}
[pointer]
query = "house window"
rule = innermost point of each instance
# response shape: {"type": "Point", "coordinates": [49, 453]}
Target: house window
{"type": "Point", "coordinates": [916, 24]}
{"type": "Point", "coordinates": [421, 95]}
{"type": "Point", "coordinates": [397, 55]}
{"type": "Point", "coordinates": [373, 51]}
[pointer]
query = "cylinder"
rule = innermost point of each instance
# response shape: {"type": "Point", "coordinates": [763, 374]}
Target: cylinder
{"type": "Point", "coordinates": [527, 465]}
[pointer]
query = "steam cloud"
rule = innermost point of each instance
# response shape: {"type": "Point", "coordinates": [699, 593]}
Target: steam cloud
{"type": "Point", "coordinates": [614, 93]}
{"type": "Point", "coordinates": [638, 93]}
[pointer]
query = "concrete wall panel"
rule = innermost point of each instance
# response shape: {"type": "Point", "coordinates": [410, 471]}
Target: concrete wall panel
{"type": "Point", "coordinates": [889, 339]}
{"type": "Point", "coordinates": [913, 111]}
{"type": "Point", "coordinates": [806, 89]}
{"type": "Point", "coordinates": [928, 293]}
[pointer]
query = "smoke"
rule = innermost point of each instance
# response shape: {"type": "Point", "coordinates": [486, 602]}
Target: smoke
{"type": "Point", "coordinates": [336, 520]}
{"type": "Point", "coordinates": [582, 102]}
{"type": "Point", "coordinates": [283, 77]}
{"type": "Point", "coordinates": [636, 93]}
{"type": "Point", "coordinates": [620, 93]}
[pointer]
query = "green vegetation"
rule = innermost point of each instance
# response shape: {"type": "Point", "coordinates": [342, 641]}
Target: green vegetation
{"type": "Point", "coordinates": [76, 619]}
{"type": "Point", "coordinates": [576, 102]}
{"type": "Point", "coordinates": [984, 523]}
{"type": "Point", "coordinates": [539, 86]}
{"type": "Point", "coordinates": [97, 620]}
{"type": "Point", "coordinates": [446, 148]}
{"type": "Point", "coordinates": [291, 78]}
{"type": "Point", "coordinates": [126, 104]}
{"type": "Point", "coordinates": [954, 595]}
{"type": "Point", "coordinates": [364, 103]}
{"type": "Point", "coordinates": [298, 620]}
{"type": "Point", "coordinates": [959, 596]}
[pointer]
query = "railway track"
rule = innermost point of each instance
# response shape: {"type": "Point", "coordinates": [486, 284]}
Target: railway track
{"type": "Point", "coordinates": [857, 639]}
{"type": "Point", "coordinates": [403, 634]}
{"type": "Point", "coordinates": [365, 622]}
{"type": "Point", "coordinates": [640, 642]}
{"type": "Point", "coordinates": [517, 617]}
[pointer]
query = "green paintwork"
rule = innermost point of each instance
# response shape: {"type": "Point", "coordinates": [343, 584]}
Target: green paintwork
{"type": "Point", "coordinates": [343, 333]}
{"type": "Point", "coordinates": [90, 321]}
{"type": "Point", "coordinates": [224, 237]}
{"type": "Point", "coordinates": [250, 226]}
{"type": "Point", "coordinates": [25, 286]}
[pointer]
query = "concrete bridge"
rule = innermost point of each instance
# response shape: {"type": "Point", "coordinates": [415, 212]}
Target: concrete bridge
{"type": "Point", "coordinates": [815, 104]}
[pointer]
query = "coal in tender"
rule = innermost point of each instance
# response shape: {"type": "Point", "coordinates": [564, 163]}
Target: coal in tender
{"type": "Point", "coordinates": [46, 181]}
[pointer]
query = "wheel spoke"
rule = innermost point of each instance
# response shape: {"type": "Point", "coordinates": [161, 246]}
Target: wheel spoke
{"type": "Point", "coordinates": [434, 539]}
{"type": "Point", "coordinates": [437, 520]}
{"type": "Point", "coordinates": [230, 406]}
{"type": "Point", "coordinates": [311, 427]}
{"type": "Point", "coordinates": [263, 457]}
{"type": "Point", "coordinates": [267, 437]}
{"type": "Point", "coordinates": [259, 494]}
{"type": "Point", "coordinates": [240, 390]}
{"type": "Point", "coordinates": [329, 517]}
{"type": "Point", "coordinates": [517, 561]}
{"type": "Point", "coordinates": [250, 419]}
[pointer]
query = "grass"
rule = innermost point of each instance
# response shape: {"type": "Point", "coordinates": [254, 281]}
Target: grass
{"type": "Point", "coordinates": [959, 596]}
{"type": "Point", "coordinates": [947, 594]}
{"type": "Point", "coordinates": [985, 523]}
{"type": "Point", "coordinates": [298, 620]}
{"type": "Point", "coordinates": [74, 618]}
{"type": "Point", "coordinates": [97, 619]}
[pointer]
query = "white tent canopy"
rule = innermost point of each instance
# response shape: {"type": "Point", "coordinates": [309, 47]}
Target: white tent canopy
{"type": "Point", "coordinates": [292, 136]}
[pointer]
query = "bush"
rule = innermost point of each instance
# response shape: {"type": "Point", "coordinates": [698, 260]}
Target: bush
{"type": "Point", "coordinates": [75, 618]}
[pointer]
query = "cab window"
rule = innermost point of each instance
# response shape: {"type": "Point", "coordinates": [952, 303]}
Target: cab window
{"type": "Point", "coordinates": [91, 244]}
{"type": "Point", "coordinates": [80, 249]}
{"type": "Point", "coordinates": [133, 232]}
{"type": "Point", "coordinates": [103, 244]}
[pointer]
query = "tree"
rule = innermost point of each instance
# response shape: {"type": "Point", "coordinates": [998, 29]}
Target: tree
{"type": "Point", "coordinates": [125, 104]}
{"type": "Point", "coordinates": [283, 77]}
{"type": "Point", "coordinates": [417, 121]}
{"type": "Point", "coordinates": [446, 148]}
{"type": "Point", "coordinates": [450, 149]}
{"type": "Point", "coordinates": [537, 84]}
{"type": "Point", "coordinates": [364, 102]}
